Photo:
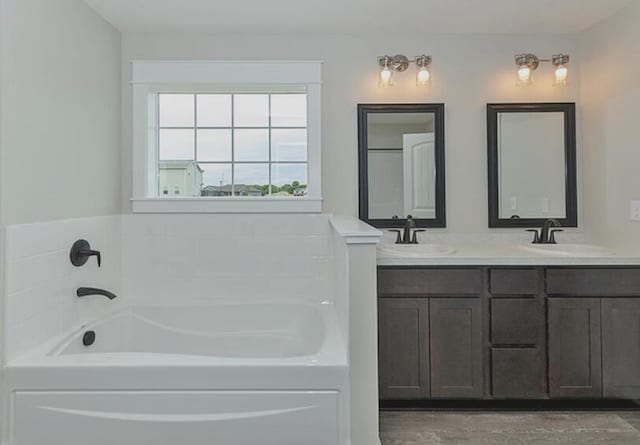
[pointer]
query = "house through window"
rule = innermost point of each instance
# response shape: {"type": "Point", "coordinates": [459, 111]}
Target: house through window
{"type": "Point", "coordinates": [232, 144]}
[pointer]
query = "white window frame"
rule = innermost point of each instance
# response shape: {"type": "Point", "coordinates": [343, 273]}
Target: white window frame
{"type": "Point", "coordinates": [149, 78]}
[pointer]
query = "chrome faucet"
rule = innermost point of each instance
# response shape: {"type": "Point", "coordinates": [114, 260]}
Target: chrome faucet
{"type": "Point", "coordinates": [86, 291]}
{"type": "Point", "coordinates": [408, 235]}
{"type": "Point", "coordinates": [546, 234]}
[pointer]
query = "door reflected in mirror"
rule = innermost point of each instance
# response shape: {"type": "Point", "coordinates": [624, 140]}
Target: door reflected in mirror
{"type": "Point", "coordinates": [531, 164]}
{"type": "Point", "coordinates": [402, 164]}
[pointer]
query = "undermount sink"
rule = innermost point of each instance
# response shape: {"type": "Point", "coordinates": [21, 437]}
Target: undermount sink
{"type": "Point", "coordinates": [579, 250]}
{"type": "Point", "coordinates": [416, 250]}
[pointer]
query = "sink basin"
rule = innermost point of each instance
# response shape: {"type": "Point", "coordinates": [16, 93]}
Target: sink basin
{"type": "Point", "coordinates": [578, 250]}
{"type": "Point", "coordinates": [416, 250]}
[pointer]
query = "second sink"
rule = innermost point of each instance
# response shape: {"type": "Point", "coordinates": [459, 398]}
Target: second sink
{"type": "Point", "coordinates": [578, 250]}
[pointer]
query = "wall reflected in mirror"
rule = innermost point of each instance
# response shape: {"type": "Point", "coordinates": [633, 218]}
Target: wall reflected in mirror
{"type": "Point", "coordinates": [400, 155]}
{"type": "Point", "coordinates": [531, 164]}
{"type": "Point", "coordinates": [530, 146]}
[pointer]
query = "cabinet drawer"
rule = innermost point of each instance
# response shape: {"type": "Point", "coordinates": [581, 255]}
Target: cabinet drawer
{"type": "Point", "coordinates": [514, 281]}
{"type": "Point", "coordinates": [517, 322]}
{"type": "Point", "coordinates": [518, 374]}
{"type": "Point", "coordinates": [429, 282]}
{"type": "Point", "coordinates": [594, 282]}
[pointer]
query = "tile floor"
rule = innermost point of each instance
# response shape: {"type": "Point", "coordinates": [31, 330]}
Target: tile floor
{"type": "Point", "coordinates": [510, 428]}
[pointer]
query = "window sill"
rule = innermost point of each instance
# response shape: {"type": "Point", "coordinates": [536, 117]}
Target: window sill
{"type": "Point", "coordinates": [227, 205]}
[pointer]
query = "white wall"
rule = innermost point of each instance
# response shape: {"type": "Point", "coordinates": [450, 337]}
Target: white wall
{"type": "Point", "coordinates": [610, 94]}
{"type": "Point", "coordinates": [60, 110]}
{"type": "Point", "coordinates": [524, 160]}
{"type": "Point", "coordinates": [59, 117]}
{"type": "Point", "coordinates": [468, 70]}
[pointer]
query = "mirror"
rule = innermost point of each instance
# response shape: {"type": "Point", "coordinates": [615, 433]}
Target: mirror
{"type": "Point", "coordinates": [532, 164]}
{"type": "Point", "coordinates": [401, 164]}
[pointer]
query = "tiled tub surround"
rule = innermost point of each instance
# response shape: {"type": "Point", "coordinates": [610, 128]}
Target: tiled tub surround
{"type": "Point", "coordinates": [40, 281]}
{"type": "Point", "coordinates": [201, 258]}
{"type": "Point", "coordinates": [160, 259]}
{"type": "Point", "coordinates": [168, 265]}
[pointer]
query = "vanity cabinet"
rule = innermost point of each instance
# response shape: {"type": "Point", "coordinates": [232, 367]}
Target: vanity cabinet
{"type": "Point", "coordinates": [403, 348]}
{"type": "Point", "coordinates": [456, 348]}
{"type": "Point", "coordinates": [621, 348]}
{"type": "Point", "coordinates": [518, 337]}
{"type": "Point", "coordinates": [509, 333]}
{"type": "Point", "coordinates": [594, 348]}
{"type": "Point", "coordinates": [430, 334]}
{"type": "Point", "coordinates": [575, 364]}
{"type": "Point", "coordinates": [594, 342]}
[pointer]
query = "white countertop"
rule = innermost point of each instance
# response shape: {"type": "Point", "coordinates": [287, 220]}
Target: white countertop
{"type": "Point", "coordinates": [506, 254]}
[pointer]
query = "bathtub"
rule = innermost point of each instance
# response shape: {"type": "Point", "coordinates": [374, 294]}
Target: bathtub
{"type": "Point", "coordinates": [274, 374]}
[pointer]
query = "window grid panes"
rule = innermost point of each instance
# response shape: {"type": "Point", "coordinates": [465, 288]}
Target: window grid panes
{"type": "Point", "coordinates": [232, 144]}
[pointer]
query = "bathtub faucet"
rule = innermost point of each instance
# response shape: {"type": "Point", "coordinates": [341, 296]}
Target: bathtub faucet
{"type": "Point", "coordinates": [85, 291]}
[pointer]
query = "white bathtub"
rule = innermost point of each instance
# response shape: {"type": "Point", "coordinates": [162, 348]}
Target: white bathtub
{"type": "Point", "coordinates": [260, 331]}
{"type": "Point", "coordinates": [274, 374]}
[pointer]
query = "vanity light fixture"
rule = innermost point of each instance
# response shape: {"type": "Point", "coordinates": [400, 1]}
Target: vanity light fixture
{"type": "Point", "coordinates": [399, 63]}
{"type": "Point", "coordinates": [423, 75]}
{"type": "Point", "coordinates": [386, 72]}
{"type": "Point", "coordinates": [560, 61]}
{"type": "Point", "coordinates": [527, 63]}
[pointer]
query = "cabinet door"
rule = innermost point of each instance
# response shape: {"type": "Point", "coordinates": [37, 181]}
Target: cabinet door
{"type": "Point", "coordinates": [575, 364]}
{"type": "Point", "coordinates": [403, 357]}
{"type": "Point", "coordinates": [456, 348]}
{"type": "Point", "coordinates": [621, 348]}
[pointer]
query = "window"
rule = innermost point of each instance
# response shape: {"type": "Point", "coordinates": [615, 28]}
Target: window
{"type": "Point", "coordinates": [226, 136]}
{"type": "Point", "coordinates": [225, 145]}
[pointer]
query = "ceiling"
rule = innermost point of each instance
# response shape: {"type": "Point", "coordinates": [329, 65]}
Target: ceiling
{"type": "Point", "coordinates": [357, 16]}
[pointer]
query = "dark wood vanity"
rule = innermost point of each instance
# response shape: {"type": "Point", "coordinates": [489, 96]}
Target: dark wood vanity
{"type": "Point", "coordinates": [509, 333]}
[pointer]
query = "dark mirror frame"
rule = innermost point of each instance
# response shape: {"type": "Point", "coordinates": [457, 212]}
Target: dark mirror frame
{"type": "Point", "coordinates": [571, 189]}
{"type": "Point", "coordinates": [437, 110]}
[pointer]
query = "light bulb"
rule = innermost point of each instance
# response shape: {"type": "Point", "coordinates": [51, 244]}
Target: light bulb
{"type": "Point", "coordinates": [562, 73]}
{"type": "Point", "coordinates": [423, 77]}
{"type": "Point", "coordinates": [524, 74]}
{"type": "Point", "coordinates": [386, 77]}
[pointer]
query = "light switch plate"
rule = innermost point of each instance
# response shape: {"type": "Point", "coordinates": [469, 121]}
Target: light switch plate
{"type": "Point", "coordinates": [635, 211]}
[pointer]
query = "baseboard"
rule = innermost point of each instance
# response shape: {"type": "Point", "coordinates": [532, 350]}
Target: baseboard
{"type": "Point", "coordinates": [510, 405]}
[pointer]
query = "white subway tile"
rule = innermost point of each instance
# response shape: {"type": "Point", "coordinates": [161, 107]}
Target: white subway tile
{"type": "Point", "coordinates": [41, 281]}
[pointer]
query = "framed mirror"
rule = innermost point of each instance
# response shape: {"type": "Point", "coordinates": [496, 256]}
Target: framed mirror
{"type": "Point", "coordinates": [532, 164]}
{"type": "Point", "coordinates": [401, 164]}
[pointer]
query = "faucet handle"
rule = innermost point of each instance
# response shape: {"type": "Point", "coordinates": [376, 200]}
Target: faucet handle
{"type": "Point", "coordinates": [536, 237]}
{"type": "Point", "coordinates": [398, 235]}
{"type": "Point", "coordinates": [414, 239]}
{"type": "Point", "coordinates": [80, 253]}
{"type": "Point", "coordinates": [552, 235]}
